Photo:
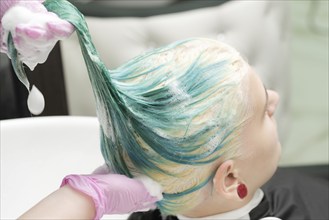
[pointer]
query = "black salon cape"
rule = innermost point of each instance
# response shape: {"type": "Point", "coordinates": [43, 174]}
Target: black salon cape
{"type": "Point", "coordinates": [298, 193]}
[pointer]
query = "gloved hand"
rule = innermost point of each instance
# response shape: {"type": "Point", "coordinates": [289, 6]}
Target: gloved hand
{"type": "Point", "coordinates": [113, 193]}
{"type": "Point", "coordinates": [34, 30]}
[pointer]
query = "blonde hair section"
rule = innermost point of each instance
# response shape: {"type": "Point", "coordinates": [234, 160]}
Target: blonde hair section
{"type": "Point", "coordinates": [216, 107]}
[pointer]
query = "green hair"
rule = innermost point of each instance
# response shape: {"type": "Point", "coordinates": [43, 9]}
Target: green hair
{"type": "Point", "coordinates": [168, 113]}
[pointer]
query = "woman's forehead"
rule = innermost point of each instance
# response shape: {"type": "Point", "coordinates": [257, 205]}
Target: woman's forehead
{"type": "Point", "coordinates": [256, 94]}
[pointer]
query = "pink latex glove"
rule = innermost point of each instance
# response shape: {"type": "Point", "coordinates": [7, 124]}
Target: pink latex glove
{"type": "Point", "coordinates": [35, 31]}
{"type": "Point", "coordinates": [113, 193]}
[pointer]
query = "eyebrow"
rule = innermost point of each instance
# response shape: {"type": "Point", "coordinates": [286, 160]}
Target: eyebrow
{"type": "Point", "coordinates": [266, 102]}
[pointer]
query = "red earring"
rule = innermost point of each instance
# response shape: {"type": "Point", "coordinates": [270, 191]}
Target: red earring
{"type": "Point", "coordinates": [242, 191]}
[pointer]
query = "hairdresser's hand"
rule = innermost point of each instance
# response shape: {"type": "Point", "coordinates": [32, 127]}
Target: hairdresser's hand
{"type": "Point", "coordinates": [113, 193]}
{"type": "Point", "coordinates": [34, 30]}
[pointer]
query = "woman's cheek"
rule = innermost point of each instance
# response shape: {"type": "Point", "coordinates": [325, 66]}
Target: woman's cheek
{"type": "Point", "coordinates": [273, 139]}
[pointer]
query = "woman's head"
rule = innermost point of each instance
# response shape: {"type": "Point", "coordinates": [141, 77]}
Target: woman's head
{"type": "Point", "coordinates": [182, 109]}
{"type": "Point", "coordinates": [192, 109]}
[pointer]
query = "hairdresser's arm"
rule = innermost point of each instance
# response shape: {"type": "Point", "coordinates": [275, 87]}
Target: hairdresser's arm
{"type": "Point", "coordinates": [92, 196]}
{"type": "Point", "coordinates": [65, 203]}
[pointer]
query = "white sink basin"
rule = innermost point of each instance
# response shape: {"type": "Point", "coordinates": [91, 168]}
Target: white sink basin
{"type": "Point", "coordinates": [36, 153]}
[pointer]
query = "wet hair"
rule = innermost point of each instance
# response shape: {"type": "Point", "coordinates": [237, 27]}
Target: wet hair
{"type": "Point", "coordinates": [169, 113]}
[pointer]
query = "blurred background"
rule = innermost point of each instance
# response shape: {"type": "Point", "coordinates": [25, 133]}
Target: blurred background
{"type": "Point", "coordinates": [307, 141]}
{"type": "Point", "coordinates": [285, 41]}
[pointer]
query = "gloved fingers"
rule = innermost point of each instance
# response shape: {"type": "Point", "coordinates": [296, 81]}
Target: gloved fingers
{"type": "Point", "coordinates": [30, 32]}
{"type": "Point", "coordinates": [60, 28]}
{"type": "Point", "coordinates": [54, 29]}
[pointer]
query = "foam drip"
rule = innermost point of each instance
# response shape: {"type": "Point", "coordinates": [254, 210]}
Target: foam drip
{"type": "Point", "coordinates": [35, 101]}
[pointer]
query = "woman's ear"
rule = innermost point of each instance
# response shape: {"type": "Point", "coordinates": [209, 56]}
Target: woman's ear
{"type": "Point", "coordinates": [226, 181]}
